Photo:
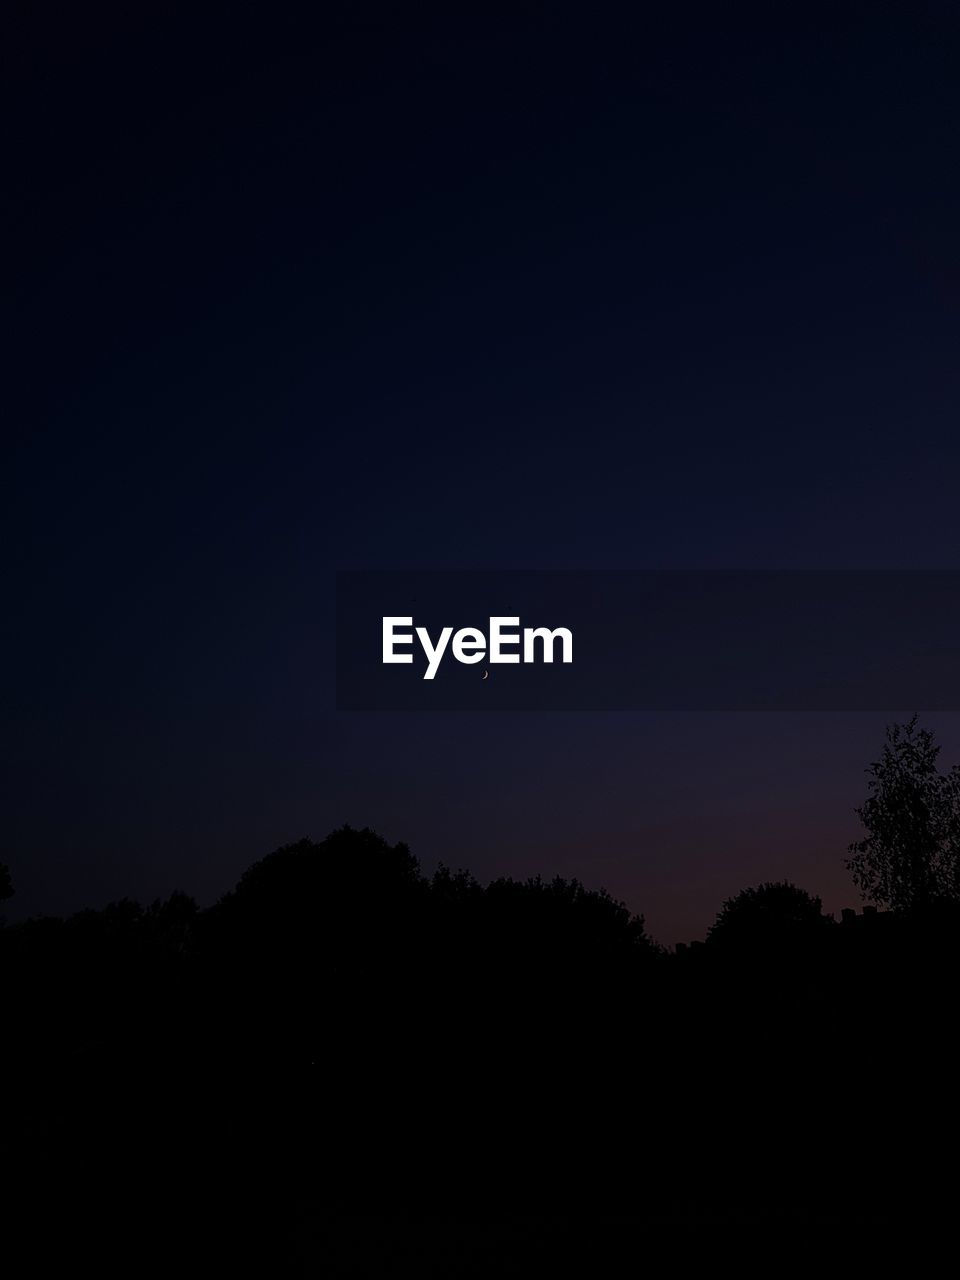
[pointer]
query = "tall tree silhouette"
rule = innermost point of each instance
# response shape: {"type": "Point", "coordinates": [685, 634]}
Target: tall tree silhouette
{"type": "Point", "coordinates": [910, 856]}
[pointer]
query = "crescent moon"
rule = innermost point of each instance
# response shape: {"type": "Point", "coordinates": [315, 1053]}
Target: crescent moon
{"type": "Point", "coordinates": [485, 674]}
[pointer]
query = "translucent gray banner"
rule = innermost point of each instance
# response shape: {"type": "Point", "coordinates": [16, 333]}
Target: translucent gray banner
{"type": "Point", "coordinates": [647, 640]}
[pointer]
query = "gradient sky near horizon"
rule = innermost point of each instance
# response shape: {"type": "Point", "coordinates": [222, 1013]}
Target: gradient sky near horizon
{"type": "Point", "coordinates": [520, 286]}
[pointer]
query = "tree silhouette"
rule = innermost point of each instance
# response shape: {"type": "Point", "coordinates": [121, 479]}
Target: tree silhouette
{"type": "Point", "coordinates": [324, 912]}
{"type": "Point", "coordinates": [774, 913]}
{"type": "Point", "coordinates": [910, 856]}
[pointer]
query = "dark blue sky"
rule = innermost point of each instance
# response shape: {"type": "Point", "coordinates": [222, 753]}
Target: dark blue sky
{"type": "Point", "coordinates": [523, 287]}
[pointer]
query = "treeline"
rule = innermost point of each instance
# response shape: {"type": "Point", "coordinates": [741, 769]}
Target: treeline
{"type": "Point", "coordinates": [342, 1035]}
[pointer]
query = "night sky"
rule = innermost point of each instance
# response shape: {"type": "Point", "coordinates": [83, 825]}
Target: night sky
{"type": "Point", "coordinates": [466, 287]}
